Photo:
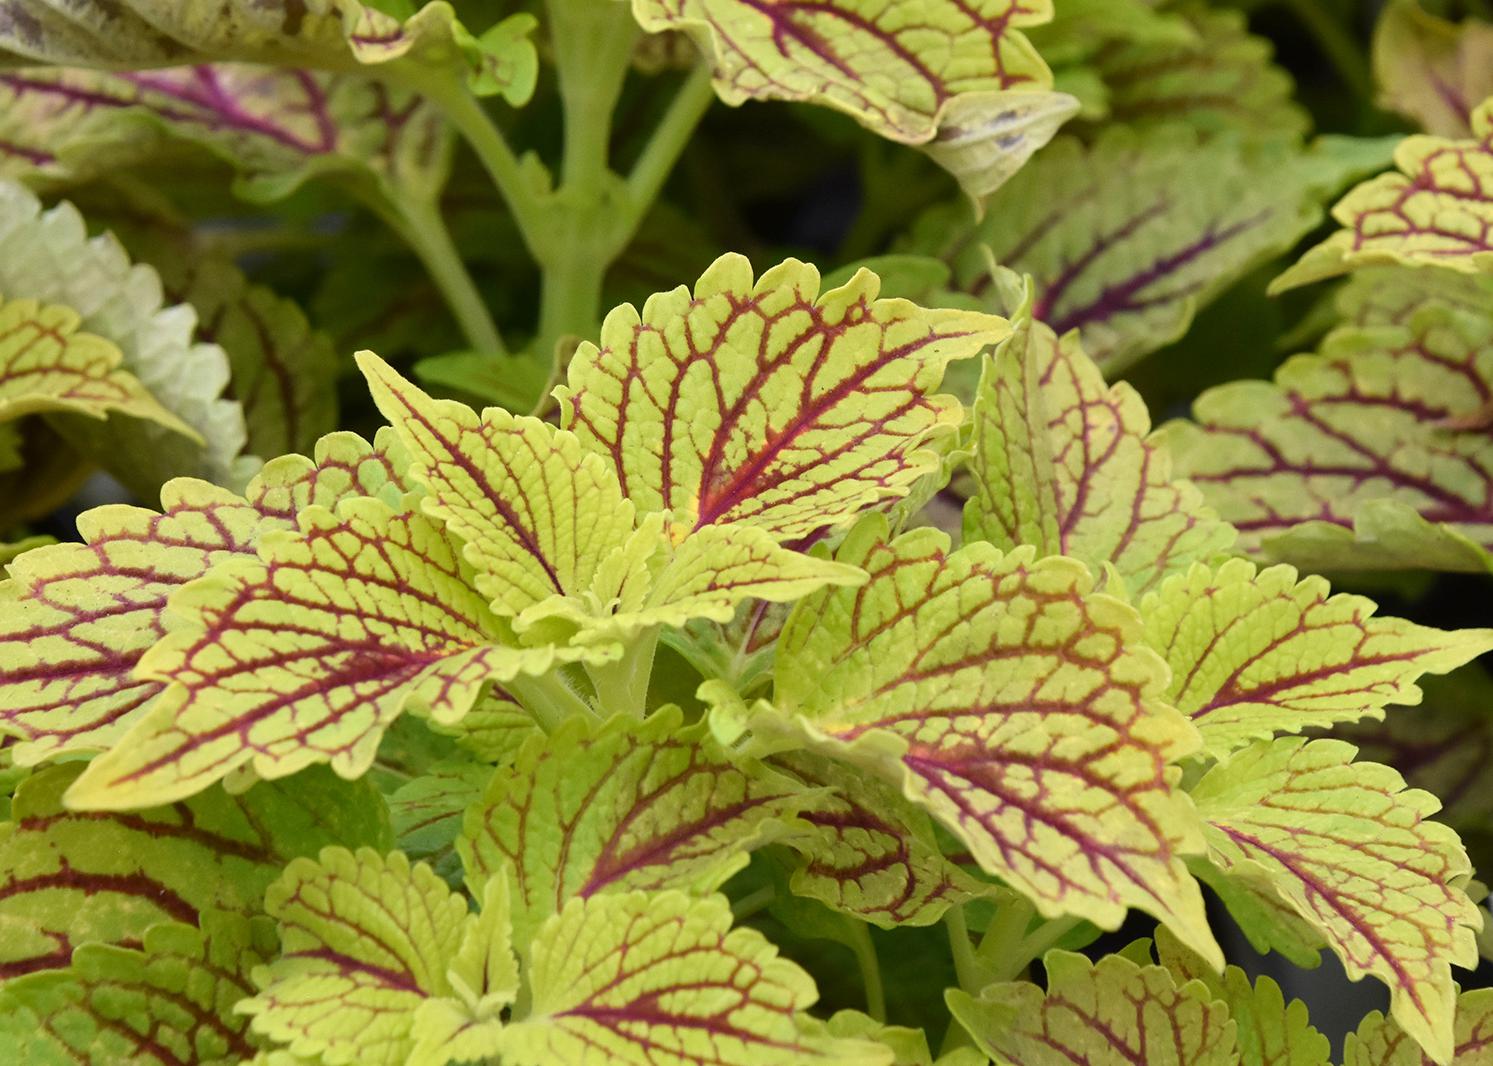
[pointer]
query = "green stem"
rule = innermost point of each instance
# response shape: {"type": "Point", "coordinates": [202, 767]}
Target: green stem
{"type": "Point", "coordinates": [422, 227]}
{"type": "Point", "coordinates": [1344, 53]}
{"type": "Point", "coordinates": [966, 969]}
{"type": "Point", "coordinates": [622, 686]}
{"type": "Point", "coordinates": [865, 958]}
{"type": "Point", "coordinates": [753, 902]}
{"type": "Point", "coordinates": [667, 143]}
{"type": "Point", "coordinates": [549, 698]}
{"type": "Point", "coordinates": [1001, 949]}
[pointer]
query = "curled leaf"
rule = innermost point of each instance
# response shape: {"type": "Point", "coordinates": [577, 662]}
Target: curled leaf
{"type": "Point", "coordinates": [1432, 70]}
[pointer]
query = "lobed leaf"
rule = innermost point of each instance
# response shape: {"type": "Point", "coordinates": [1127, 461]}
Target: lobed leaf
{"type": "Point", "coordinates": [1254, 653]}
{"type": "Point", "coordinates": [48, 256]}
{"type": "Point", "coordinates": [1110, 1013]}
{"type": "Point", "coordinates": [306, 653]}
{"type": "Point", "coordinates": [1353, 854]}
{"type": "Point", "coordinates": [1063, 463]}
{"type": "Point", "coordinates": [1018, 706]}
{"type": "Point", "coordinates": [1128, 237]}
{"type": "Point", "coordinates": [768, 403]}
{"type": "Point", "coordinates": [1430, 70]}
{"type": "Point", "coordinates": [1436, 210]}
{"type": "Point", "coordinates": [631, 805]}
{"type": "Point", "coordinates": [1379, 1041]}
{"type": "Point", "coordinates": [168, 1002]}
{"type": "Point", "coordinates": [639, 978]}
{"type": "Point", "coordinates": [426, 812]}
{"type": "Point", "coordinates": [72, 877]}
{"type": "Point", "coordinates": [1369, 454]}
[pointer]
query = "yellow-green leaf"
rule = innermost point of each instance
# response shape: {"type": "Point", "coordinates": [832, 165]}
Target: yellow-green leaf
{"type": "Point", "coordinates": [1353, 853]}
{"type": "Point", "coordinates": [1431, 70]}
{"type": "Point", "coordinates": [1378, 1041]}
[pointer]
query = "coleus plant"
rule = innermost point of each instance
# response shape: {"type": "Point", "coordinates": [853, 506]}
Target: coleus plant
{"type": "Point", "coordinates": [779, 667]}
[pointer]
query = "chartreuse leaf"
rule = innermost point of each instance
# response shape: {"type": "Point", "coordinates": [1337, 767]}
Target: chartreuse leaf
{"type": "Point", "coordinates": [1431, 70]}
{"type": "Point", "coordinates": [1127, 237]}
{"type": "Point", "coordinates": [1111, 1013]}
{"type": "Point", "coordinates": [1378, 1041]}
{"type": "Point", "coordinates": [1062, 462]}
{"type": "Point", "coordinates": [47, 366]}
{"type": "Point", "coordinates": [872, 854]}
{"type": "Point", "coordinates": [631, 805]}
{"type": "Point", "coordinates": [769, 403]}
{"type": "Point", "coordinates": [48, 256]}
{"type": "Point", "coordinates": [76, 618]}
{"type": "Point", "coordinates": [639, 978]}
{"type": "Point", "coordinates": [1018, 706]}
{"type": "Point", "coordinates": [306, 653]}
{"type": "Point", "coordinates": [368, 949]}
{"type": "Point", "coordinates": [275, 127]}
{"type": "Point", "coordinates": [341, 35]}
{"type": "Point", "coordinates": [962, 81]}
{"type": "Point", "coordinates": [553, 540]}
{"type": "Point", "coordinates": [1352, 852]}
{"type": "Point", "coordinates": [1268, 1030]}
{"type": "Point", "coordinates": [1370, 454]}
{"type": "Point", "coordinates": [1435, 210]}
{"type": "Point", "coordinates": [168, 1002]}
{"type": "Point", "coordinates": [1254, 653]}
{"type": "Point", "coordinates": [69, 878]}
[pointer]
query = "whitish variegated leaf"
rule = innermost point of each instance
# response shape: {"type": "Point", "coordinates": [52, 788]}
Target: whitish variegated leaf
{"type": "Point", "coordinates": [1062, 462]}
{"type": "Point", "coordinates": [1268, 1030]}
{"type": "Point", "coordinates": [1255, 653]}
{"type": "Point", "coordinates": [926, 72]}
{"type": "Point", "coordinates": [366, 946]}
{"type": "Point", "coordinates": [643, 977]}
{"type": "Point", "coordinates": [1435, 209]}
{"type": "Point", "coordinates": [1353, 853]}
{"type": "Point", "coordinates": [768, 402]}
{"type": "Point", "coordinates": [72, 877]}
{"type": "Point", "coordinates": [1431, 70]}
{"type": "Point", "coordinates": [634, 805]}
{"type": "Point", "coordinates": [872, 854]}
{"type": "Point", "coordinates": [168, 1002]}
{"type": "Point", "coordinates": [306, 653]}
{"type": "Point", "coordinates": [1114, 1013]}
{"type": "Point", "coordinates": [1378, 1041]}
{"type": "Point", "coordinates": [327, 34]}
{"type": "Point", "coordinates": [76, 618]}
{"type": "Point", "coordinates": [275, 127]}
{"type": "Point", "coordinates": [1128, 237]}
{"type": "Point", "coordinates": [48, 256]}
{"type": "Point", "coordinates": [1018, 706]}
{"type": "Point", "coordinates": [1372, 453]}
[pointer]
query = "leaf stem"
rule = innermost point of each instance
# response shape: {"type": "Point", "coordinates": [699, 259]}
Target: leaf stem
{"type": "Point", "coordinates": [860, 943]}
{"type": "Point", "coordinates": [753, 902]}
{"type": "Point", "coordinates": [421, 225]}
{"type": "Point", "coordinates": [667, 142]}
{"type": "Point", "coordinates": [1001, 947]}
{"type": "Point", "coordinates": [622, 686]}
{"type": "Point", "coordinates": [549, 699]}
{"type": "Point", "coordinates": [966, 969]}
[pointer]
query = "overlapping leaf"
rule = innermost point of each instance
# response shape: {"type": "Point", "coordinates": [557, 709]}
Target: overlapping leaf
{"type": "Point", "coordinates": [71, 877]}
{"type": "Point", "coordinates": [768, 403]}
{"type": "Point", "coordinates": [426, 812]}
{"type": "Point", "coordinates": [276, 127]}
{"type": "Point", "coordinates": [1370, 453]}
{"type": "Point", "coordinates": [306, 653]}
{"type": "Point", "coordinates": [872, 854]}
{"type": "Point", "coordinates": [47, 366]}
{"type": "Point", "coordinates": [1255, 653]}
{"type": "Point", "coordinates": [76, 618]}
{"type": "Point", "coordinates": [326, 34]}
{"type": "Point", "coordinates": [939, 72]}
{"type": "Point", "coordinates": [1436, 209]}
{"type": "Point", "coordinates": [632, 806]}
{"type": "Point", "coordinates": [1430, 70]}
{"type": "Point", "coordinates": [1111, 1013]}
{"type": "Point", "coordinates": [1353, 854]}
{"type": "Point", "coordinates": [1378, 1041]}
{"type": "Point", "coordinates": [368, 944]}
{"type": "Point", "coordinates": [1018, 706]}
{"type": "Point", "coordinates": [168, 1002]}
{"type": "Point", "coordinates": [1062, 462]}
{"type": "Point", "coordinates": [48, 256]}
{"type": "Point", "coordinates": [637, 978]}
{"type": "Point", "coordinates": [1128, 237]}
{"type": "Point", "coordinates": [552, 538]}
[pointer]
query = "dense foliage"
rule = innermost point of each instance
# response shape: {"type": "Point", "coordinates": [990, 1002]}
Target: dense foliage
{"type": "Point", "coordinates": [780, 667]}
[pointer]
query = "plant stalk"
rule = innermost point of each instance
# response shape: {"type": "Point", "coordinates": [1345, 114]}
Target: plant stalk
{"type": "Point", "coordinates": [421, 225]}
{"type": "Point", "coordinates": [870, 966]}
